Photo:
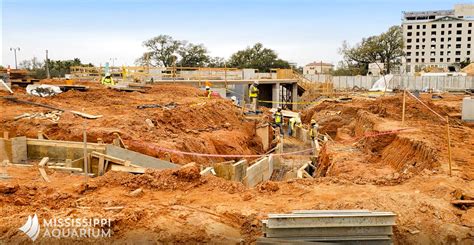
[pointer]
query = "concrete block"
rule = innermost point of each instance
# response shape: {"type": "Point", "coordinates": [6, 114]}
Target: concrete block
{"type": "Point", "coordinates": [19, 150]}
{"type": "Point", "coordinates": [259, 172]}
{"type": "Point", "coordinates": [240, 170]}
{"type": "Point", "coordinates": [468, 109]}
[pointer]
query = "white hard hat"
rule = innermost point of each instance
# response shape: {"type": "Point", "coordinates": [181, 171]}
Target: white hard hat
{"type": "Point", "coordinates": [233, 98]}
{"type": "Point", "coordinates": [107, 74]}
{"type": "Point", "coordinates": [207, 87]}
{"type": "Point", "coordinates": [255, 82]}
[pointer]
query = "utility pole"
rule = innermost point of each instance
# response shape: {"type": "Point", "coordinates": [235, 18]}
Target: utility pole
{"type": "Point", "coordinates": [14, 51]}
{"type": "Point", "coordinates": [47, 66]}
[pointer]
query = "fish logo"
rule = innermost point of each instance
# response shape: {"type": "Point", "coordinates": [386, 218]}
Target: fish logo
{"type": "Point", "coordinates": [31, 227]}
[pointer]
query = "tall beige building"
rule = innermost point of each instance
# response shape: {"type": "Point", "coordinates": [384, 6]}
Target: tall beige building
{"type": "Point", "coordinates": [438, 38]}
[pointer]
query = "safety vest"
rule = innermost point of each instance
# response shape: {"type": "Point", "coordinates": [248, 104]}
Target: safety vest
{"type": "Point", "coordinates": [313, 131]}
{"type": "Point", "coordinates": [253, 93]}
{"type": "Point", "coordinates": [278, 117]}
{"type": "Point", "coordinates": [107, 81]}
{"type": "Point", "coordinates": [209, 93]}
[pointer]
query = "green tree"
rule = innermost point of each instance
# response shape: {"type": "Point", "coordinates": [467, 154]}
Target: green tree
{"type": "Point", "coordinates": [216, 62]}
{"type": "Point", "coordinates": [386, 48]}
{"type": "Point", "coordinates": [161, 51]}
{"type": "Point", "coordinates": [257, 57]}
{"type": "Point", "coordinates": [192, 55]}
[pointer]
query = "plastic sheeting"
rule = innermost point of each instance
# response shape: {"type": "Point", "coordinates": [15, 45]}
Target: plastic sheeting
{"type": "Point", "coordinates": [382, 83]}
{"type": "Point", "coordinates": [43, 90]}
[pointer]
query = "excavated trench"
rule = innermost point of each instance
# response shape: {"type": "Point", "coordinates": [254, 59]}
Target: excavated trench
{"type": "Point", "coordinates": [404, 155]}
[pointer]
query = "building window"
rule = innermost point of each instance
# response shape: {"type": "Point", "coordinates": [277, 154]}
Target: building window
{"type": "Point", "coordinates": [449, 32]}
{"type": "Point", "coordinates": [423, 40]}
{"type": "Point", "coordinates": [448, 53]}
{"type": "Point", "coordinates": [417, 60]}
{"type": "Point", "coordinates": [417, 40]}
{"type": "Point", "coordinates": [418, 27]}
{"type": "Point", "coordinates": [422, 46]}
{"type": "Point", "coordinates": [468, 45]}
{"type": "Point", "coordinates": [469, 38]}
{"type": "Point", "coordinates": [409, 60]}
{"type": "Point", "coordinates": [409, 40]}
{"type": "Point", "coordinates": [457, 60]}
{"type": "Point", "coordinates": [458, 52]}
{"type": "Point", "coordinates": [448, 60]}
{"type": "Point", "coordinates": [470, 24]}
{"type": "Point", "coordinates": [441, 46]}
{"type": "Point", "coordinates": [442, 25]}
{"type": "Point", "coordinates": [417, 46]}
{"type": "Point", "coordinates": [417, 53]}
{"type": "Point", "coordinates": [433, 53]}
{"type": "Point", "coordinates": [422, 53]}
{"type": "Point", "coordinates": [442, 32]}
{"type": "Point", "coordinates": [449, 45]}
{"type": "Point", "coordinates": [432, 60]}
{"type": "Point", "coordinates": [468, 52]}
{"type": "Point", "coordinates": [458, 39]}
{"type": "Point", "coordinates": [450, 25]}
{"type": "Point", "coordinates": [417, 33]}
{"type": "Point", "coordinates": [459, 32]}
{"type": "Point", "coordinates": [469, 31]}
{"type": "Point", "coordinates": [424, 33]}
{"type": "Point", "coordinates": [409, 27]}
{"type": "Point", "coordinates": [409, 34]}
{"type": "Point", "coordinates": [433, 46]}
{"type": "Point", "coordinates": [442, 39]}
{"type": "Point", "coordinates": [441, 53]}
{"type": "Point", "coordinates": [459, 25]}
{"type": "Point", "coordinates": [422, 60]}
{"type": "Point", "coordinates": [433, 33]}
{"type": "Point", "coordinates": [440, 59]}
{"type": "Point", "coordinates": [433, 26]}
{"type": "Point", "coordinates": [424, 26]}
{"type": "Point", "coordinates": [409, 47]}
{"type": "Point", "coordinates": [433, 40]}
{"type": "Point", "coordinates": [408, 53]}
{"type": "Point", "coordinates": [449, 39]}
{"type": "Point", "coordinates": [458, 45]}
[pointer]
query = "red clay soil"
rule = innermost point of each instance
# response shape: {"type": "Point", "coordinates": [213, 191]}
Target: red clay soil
{"type": "Point", "coordinates": [405, 173]}
{"type": "Point", "coordinates": [197, 124]}
{"type": "Point", "coordinates": [179, 206]}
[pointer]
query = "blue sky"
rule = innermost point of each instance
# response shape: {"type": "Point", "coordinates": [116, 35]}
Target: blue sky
{"type": "Point", "coordinates": [300, 31]}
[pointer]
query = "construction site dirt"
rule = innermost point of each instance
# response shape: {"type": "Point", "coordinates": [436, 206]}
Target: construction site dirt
{"type": "Point", "coordinates": [370, 161]}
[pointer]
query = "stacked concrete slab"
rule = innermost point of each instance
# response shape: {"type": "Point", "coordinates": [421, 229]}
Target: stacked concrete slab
{"type": "Point", "coordinates": [339, 226]}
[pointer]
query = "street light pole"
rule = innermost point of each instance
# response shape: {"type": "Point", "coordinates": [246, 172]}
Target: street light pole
{"type": "Point", "coordinates": [14, 51]}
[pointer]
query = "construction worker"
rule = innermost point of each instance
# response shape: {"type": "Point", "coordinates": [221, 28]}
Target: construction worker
{"type": "Point", "coordinates": [313, 134]}
{"type": "Point", "coordinates": [107, 80]}
{"type": "Point", "coordinates": [293, 123]}
{"type": "Point", "coordinates": [278, 120]}
{"type": "Point", "coordinates": [208, 92]}
{"type": "Point", "coordinates": [253, 95]}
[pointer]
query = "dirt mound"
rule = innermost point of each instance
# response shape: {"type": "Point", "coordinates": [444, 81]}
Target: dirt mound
{"type": "Point", "coordinates": [186, 121]}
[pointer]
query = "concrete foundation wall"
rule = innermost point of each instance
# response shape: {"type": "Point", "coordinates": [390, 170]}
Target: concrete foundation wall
{"type": "Point", "coordinates": [468, 109]}
{"type": "Point", "coordinates": [399, 81]}
{"type": "Point", "coordinates": [259, 172]}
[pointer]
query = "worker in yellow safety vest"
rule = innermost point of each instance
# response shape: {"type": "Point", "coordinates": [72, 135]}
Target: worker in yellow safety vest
{"type": "Point", "coordinates": [293, 123]}
{"type": "Point", "coordinates": [278, 120]}
{"type": "Point", "coordinates": [313, 134]}
{"type": "Point", "coordinates": [107, 80]}
{"type": "Point", "coordinates": [208, 92]}
{"type": "Point", "coordinates": [253, 95]}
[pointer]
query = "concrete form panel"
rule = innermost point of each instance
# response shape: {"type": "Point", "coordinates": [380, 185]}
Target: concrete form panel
{"type": "Point", "coordinates": [139, 159]}
{"type": "Point", "coordinates": [19, 150]}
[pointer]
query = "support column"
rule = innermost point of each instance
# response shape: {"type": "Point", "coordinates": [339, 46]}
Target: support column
{"type": "Point", "coordinates": [276, 94]}
{"type": "Point", "coordinates": [294, 95]}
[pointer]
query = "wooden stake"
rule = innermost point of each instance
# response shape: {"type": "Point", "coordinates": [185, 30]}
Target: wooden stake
{"type": "Point", "coordinates": [404, 103]}
{"type": "Point", "coordinates": [449, 146]}
{"type": "Point", "coordinates": [86, 164]}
